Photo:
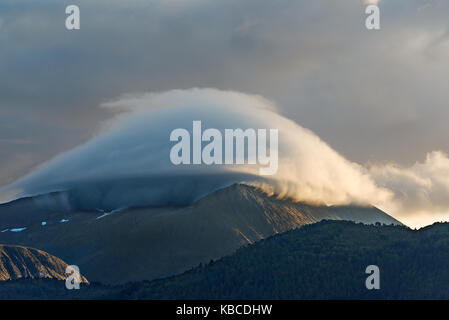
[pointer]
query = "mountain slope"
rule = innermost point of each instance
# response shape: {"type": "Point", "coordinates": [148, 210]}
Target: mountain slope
{"type": "Point", "coordinates": [325, 260]}
{"type": "Point", "coordinates": [148, 243]}
{"type": "Point", "coordinates": [22, 262]}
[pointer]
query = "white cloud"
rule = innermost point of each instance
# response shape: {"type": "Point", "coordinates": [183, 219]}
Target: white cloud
{"type": "Point", "coordinates": [421, 191]}
{"type": "Point", "coordinates": [136, 144]}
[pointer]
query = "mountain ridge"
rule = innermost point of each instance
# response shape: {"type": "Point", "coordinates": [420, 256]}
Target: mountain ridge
{"type": "Point", "coordinates": [147, 243]}
{"type": "Point", "coordinates": [324, 260]}
{"type": "Point", "coordinates": [24, 262]}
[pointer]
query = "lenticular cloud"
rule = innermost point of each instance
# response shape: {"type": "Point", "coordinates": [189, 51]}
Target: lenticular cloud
{"type": "Point", "coordinates": [128, 162]}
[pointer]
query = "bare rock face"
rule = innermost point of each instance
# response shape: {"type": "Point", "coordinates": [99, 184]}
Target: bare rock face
{"type": "Point", "coordinates": [24, 262]}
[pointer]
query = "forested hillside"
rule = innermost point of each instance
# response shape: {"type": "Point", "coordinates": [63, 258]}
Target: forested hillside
{"type": "Point", "coordinates": [326, 260]}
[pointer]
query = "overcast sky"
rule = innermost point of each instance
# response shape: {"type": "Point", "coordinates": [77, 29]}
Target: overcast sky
{"type": "Point", "coordinates": [376, 97]}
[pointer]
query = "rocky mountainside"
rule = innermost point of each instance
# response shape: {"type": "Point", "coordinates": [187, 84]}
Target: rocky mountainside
{"type": "Point", "coordinates": [22, 262]}
{"type": "Point", "coordinates": [147, 243]}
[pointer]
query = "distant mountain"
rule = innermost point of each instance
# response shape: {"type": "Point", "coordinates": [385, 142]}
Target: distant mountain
{"type": "Point", "coordinates": [147, 243]}
{"type": "Point", "coordinates": [22, 262]}
{"type": "Point", "coordinates": [325, 260]}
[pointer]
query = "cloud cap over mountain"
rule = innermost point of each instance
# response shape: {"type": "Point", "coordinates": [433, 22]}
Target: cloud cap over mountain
{"type": "Point", "coordinates": [128, 164]}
